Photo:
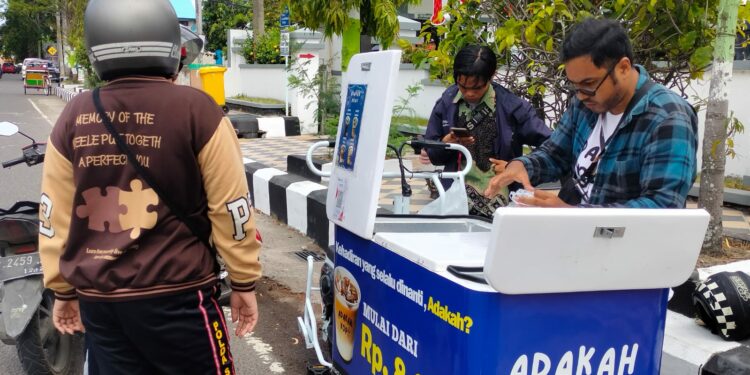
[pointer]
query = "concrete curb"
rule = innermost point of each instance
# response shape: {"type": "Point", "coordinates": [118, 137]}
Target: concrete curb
{"type": "Point", "coordinates": [249, 125]}
{"type": "Point", "coordinates": [734, 196]}
{"type": "Point", "coordinates": [692, 349]}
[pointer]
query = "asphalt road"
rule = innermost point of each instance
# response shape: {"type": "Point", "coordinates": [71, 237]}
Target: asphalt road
{"type": "Point", "coordinates": [276, 347]}
{"type": "Point", "coordinates": [32, 113]}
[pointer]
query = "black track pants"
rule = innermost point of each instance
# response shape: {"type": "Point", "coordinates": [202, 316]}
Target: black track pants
{"type": "Point", "coordinates": [180, 334]}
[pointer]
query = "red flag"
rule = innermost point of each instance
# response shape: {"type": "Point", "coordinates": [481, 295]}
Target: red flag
{"type": "Point", "coordinates": [437, 18]}
{"type": "Point", "coordinates": [437, 6]}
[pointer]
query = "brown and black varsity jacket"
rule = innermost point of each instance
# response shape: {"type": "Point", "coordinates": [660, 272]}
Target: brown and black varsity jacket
{"type": "Point", "coordinates": [105, 234]}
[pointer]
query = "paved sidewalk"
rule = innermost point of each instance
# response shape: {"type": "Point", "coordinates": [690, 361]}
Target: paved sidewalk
{"type": "Point", "coordinates": [273, 152]}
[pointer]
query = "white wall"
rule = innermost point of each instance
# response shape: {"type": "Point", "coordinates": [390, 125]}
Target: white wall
{"type": "Point", "coordinates": [261, 81]}
{"type": "Point", "coordinates": [423, 103]}
{"type": "Point", "coordinates": [738, 102]}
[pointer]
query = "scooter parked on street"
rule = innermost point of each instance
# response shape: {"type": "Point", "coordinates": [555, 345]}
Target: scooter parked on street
{"type": "Point", "coordinates": [25, 305]}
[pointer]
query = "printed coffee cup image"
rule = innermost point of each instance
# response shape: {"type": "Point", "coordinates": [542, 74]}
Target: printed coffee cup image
{"type": "Point", "coordinates": [348, 297]}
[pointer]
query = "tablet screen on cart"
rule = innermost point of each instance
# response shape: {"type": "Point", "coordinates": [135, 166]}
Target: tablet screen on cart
{"type": "Point", "coordinates": [557, 250]}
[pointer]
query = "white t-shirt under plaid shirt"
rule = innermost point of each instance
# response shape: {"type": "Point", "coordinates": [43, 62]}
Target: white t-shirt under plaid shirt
{"type": "Point", "coordinates": [605, 127]}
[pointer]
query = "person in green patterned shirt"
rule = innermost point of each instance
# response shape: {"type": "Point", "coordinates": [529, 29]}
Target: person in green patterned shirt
{"type": "Point", "coordinates": [486, 118]}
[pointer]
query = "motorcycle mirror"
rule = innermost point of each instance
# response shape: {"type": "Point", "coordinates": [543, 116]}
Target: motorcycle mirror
{"type": "Point", "coordinates": [192, 45]}
{"type": "Point", "coordinates": [8, 128]}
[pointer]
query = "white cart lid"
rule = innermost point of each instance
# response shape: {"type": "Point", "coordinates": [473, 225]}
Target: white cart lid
{"type": "Point", "coordinates": [368, 90]}
{"type": "Point", "coordinates": [556, 250]}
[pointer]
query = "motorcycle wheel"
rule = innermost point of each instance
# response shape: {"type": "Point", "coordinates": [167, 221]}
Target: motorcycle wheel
{"type": "Point", "coordinates": [43, 350]}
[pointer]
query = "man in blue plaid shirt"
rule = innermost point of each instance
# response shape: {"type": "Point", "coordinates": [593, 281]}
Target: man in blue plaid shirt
{"type": "Point", "coordinates": [625, 140]}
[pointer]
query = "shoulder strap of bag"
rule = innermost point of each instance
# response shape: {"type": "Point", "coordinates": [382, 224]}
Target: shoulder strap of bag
{"type": "Point", "coordinates": [478, 115]}
{"type": "Point", "coordinates": [176, 210]}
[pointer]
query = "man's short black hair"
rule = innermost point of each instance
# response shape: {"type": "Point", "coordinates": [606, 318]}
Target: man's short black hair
{"type": "Point", "coordinates": [604, 39]}
{"type": "Point", "coordinates": [475, 61]}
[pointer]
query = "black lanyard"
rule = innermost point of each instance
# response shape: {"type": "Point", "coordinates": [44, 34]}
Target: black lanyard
{"type": "Point", "coordinates": [588, 175]}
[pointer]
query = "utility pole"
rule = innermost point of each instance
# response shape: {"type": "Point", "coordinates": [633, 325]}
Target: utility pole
{"type": "Point", "coordinates": [715, 135]}
{"type": "Point", "coordinates": [64, 68]}
{"type": "Point", "coordinates": [60, 43]}
{"type": "Point", "coordinates": [199, 16]}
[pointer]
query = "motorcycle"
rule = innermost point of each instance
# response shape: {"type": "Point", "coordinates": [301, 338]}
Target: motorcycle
{"type": "Point", "coordinates": [25, 305]}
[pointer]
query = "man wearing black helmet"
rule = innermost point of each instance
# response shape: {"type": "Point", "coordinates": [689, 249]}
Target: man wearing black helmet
{"type": "Point", "coordinates": [143, 180]}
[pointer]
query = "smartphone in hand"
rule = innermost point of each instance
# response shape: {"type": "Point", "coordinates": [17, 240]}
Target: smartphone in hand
{"type": "Point", "coordinates": [461, 132]}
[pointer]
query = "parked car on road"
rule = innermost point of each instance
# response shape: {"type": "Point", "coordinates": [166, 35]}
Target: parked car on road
{"type": "Point", "coordinates": [54, 72]}
{"type": "Point", "coordinates": [8, 67]}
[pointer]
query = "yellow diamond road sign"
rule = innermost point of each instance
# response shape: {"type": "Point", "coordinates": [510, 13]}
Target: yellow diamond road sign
{"type": "Point", "coordinates": [52, 50]}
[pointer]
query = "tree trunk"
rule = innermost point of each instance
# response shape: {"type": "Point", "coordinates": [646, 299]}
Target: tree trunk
{"type": "Point", "coordinates": [714, 137]}
{"type": "Point", "coordinates": [258, 19]}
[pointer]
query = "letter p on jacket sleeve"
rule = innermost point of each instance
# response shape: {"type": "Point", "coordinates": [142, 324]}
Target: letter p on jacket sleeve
{"type": "Point", "coordinates": [229, 207]}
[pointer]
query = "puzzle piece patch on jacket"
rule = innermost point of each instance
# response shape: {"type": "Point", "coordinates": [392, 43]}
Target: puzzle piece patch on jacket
{"type": "Point", "coordinates": [137, 202]}
{"type": "Point", "coordinates": [101, 209]}
{"type": "Point", "coordinates": [119, 210]}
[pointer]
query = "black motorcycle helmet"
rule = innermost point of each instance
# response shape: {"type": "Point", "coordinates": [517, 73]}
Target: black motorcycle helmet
{"type": "Point", "coordinates": [133, 37]}
{"type": "Point", "coordinates": [722, 302]}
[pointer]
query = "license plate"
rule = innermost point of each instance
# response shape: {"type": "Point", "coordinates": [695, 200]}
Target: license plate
{"type": "Point", "coordinates": [19, 266]}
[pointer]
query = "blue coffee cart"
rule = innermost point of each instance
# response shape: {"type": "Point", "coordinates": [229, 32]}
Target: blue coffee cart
{"type": "Point", "coordinates": [534, 292]}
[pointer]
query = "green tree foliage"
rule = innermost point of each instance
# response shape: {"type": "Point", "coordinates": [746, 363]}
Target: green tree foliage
{"type": "Point", "coordinates": [263, 50]}
{"type": "Point", "coordinates": [28, 24]}
{"type": "Point", "coordinates": [222, 15]}
{"type": "Point", "coordinates": [75, 39]}
{"type": "Point", "coordinates": [378, 17]}
{"type": "Point", "coordinates": [671, 38]}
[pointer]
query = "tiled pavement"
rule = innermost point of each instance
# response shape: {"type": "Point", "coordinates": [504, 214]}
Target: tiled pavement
{"type": "Point", "coordinates": [273, 152]}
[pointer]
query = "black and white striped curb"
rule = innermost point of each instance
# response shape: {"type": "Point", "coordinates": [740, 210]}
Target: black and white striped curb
{"type": "Point", "coordinates": [249, 125]}
{"type": "Point", "coordinates": [291, 199]}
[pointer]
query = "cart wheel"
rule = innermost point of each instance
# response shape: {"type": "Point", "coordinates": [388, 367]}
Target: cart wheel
{"type": "Point", "coordinates": [225, 109]}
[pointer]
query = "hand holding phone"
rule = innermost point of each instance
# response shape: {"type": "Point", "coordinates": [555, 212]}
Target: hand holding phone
{"type": "Point", "coordinates": [461, 132]}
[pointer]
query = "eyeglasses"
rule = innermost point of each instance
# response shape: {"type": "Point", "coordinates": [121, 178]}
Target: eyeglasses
{"type": "Point", "coordinates": [588, 92]}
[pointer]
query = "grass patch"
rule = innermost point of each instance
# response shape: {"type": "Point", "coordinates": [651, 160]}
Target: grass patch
{"type": "Point", "coordinates": [731, 182]}
{"type": "Point", "coordinates": [396, 138]}
{"type": "Point", "coordinates": [734, 182]}
{"type": "Point", "coordinates": [257, 100]}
